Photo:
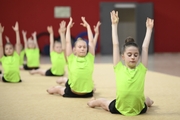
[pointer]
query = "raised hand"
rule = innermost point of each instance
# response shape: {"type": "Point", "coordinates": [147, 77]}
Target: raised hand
{"type": "Point", "coordinates": [16, 27]}
{"type": "Point", "coordinates": [34, 34]}
{"type": "Point", "coordinates": [62, 27]}
{"type": "Point", "coordinates": [96, 28]}
{"type": "Point", "coordinates": [114, 17]}
{"type": "Point", "coordinates": [149, 23]}
{"type": "Point", "coordinates": [7, 39]}
{"type": "Point", "coordinates": [85, 24]}
{"type": "Point", "coordinates": [71, 23]}
{"type": "Point", "coordinates": [24, 32]}
{"type": "Point", "coordinates": [1, 28]}
{"type": "Point", "coordinates": [50, 29]}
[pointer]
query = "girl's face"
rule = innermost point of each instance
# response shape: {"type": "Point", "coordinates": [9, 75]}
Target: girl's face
{"type": "Point", "coordinates": [80, 49]}
{"type": "Point", "coordinates": [131, 56]}
{"type": "Point", "coordinates": [31, 44]}
{"type": "Point", "coordinates": [8, 49]}
{"type": "Point", "coordinates": [57, 47]}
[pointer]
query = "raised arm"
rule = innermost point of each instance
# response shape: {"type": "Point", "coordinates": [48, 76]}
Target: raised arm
{"type": "Point", "coordinates": [7, 39]}
{"type": "Point", "coordinates": [51, 37]}
{"type": "Point", "coordinates": [24, 33]}
{"type": "Point", "coordinates": [68, 38]}
{"type": "Point", "coordinates": [1, 41]}
{"type": "Point", "coordinates": [18, 42]}
{"type": "Point", "coordinates": [35, 39]}
{"type": "Point", "coordinates": [96, 31]}
{"type": "Point", "coordinates": [116, 51]}
{"type": "Point", "coordinates": [145, 45]}
{"type": "Point", "coordinates": [62, 32]}
{"type": "Point", "coordinates": [90, 35]}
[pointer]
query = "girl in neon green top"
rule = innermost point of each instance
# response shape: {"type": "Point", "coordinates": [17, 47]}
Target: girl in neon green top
{"type": "Point", "coordinates": [10, 58]}
{"type": "Point", "coordinates": [130, 77]}
{"type": "Point", "coordinates": [22, 53]}
{"type": "Point", "coordinates": [81, 66]}
{"type": "Point", "coordinates": [56, 54]}
{"type": "Point", "coordinates": [32, 52]}
{"type": "Point", "coordinates": [95, 38]}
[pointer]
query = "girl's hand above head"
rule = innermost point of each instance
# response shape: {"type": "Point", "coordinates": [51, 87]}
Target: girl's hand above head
{"type": "Point", "coordinates": [114, 17]}
{"type": "Point", "coordinates": [149, 23]}
{"type": "Point", "coordinates": [24, 32]}
{"type": "Point", "coordinates": [96, 28]}
{"type": "Point", "coordinates": [34, 34]}
{"type": "Point", "coordinates": [62, 27]}
{"type": "Point", "coordinates": [84, 24]}
{"type": "Point", "coordinates": [71, 23]}
{"type": "Point", "coordinates": [7, 39]}
{"type": "Point", "coordinates": [16, 27]}
{"type": "Point", "coordinates": [1, 28]}
{"type": "Point", "coordinates": [50, 29]}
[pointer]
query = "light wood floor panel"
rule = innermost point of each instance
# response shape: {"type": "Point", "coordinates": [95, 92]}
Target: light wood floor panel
{"type": "Point", "coordinates": [30, 101]}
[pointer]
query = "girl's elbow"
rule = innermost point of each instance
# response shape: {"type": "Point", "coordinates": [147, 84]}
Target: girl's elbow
{"type": "Point", "coordinates": [144, 47]}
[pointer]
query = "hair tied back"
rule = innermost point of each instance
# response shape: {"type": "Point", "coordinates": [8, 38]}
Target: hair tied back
{"type": "Point", "coordinates": [129, 40]}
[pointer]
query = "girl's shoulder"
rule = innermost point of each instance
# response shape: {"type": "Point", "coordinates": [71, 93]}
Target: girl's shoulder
{"type": "Point", "coordinates": [141, 66]}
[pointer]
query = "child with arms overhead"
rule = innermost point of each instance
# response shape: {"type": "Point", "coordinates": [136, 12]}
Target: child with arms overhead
{"type": "Point", "coordinates": [56, 54]}
{"type": "Point", "coordinates": [10, 58]}
{"type": "Point", "coordinates": [80, 66]}
{"type": "Point", "coordinates": [130, 78]}
{"type": "Point", "coordinates": [22, 53]}
{"type": "Point", "coordinates": [96, 31]}
{"type": "Point", "coordinates": [32, 52]}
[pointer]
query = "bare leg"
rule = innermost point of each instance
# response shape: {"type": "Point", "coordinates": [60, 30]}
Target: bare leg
{"type": "Point", "coordinates": [38, 71]}
{"type": "Point", "coordinates": [101, 102]}
{"type": "Point", "coordinates": [149, 102]}
{"type": "Point", "coordinates": [62, 80]}
{"type": "Point", "coordinates": [56, 90]}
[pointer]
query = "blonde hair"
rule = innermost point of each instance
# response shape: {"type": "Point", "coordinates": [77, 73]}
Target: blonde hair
{"type": "Point", "coordinates": [78, 40]}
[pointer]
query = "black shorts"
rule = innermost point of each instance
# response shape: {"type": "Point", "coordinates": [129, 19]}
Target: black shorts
{"type": "Point", "coordinates": [49, 73]}
{"type": "Point", "coordinates": [113, 110]}
{"type": "Point", "coordinates": [69, 93]}
{"type": "Point", "coordinates": [4, 80]}
{"type": "Point", "coordinates": [29, 68]}
{"type": "Point", "coordinates": [0, 72]}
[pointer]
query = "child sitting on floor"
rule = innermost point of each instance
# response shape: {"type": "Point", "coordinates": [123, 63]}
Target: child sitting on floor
{"type": "Point", "coordinates": [80, 66]}
{"type": "Point", "coordinates": [10, 58]}
{"type": "Point", "coordinates": [130, 78]}
{"type": "Point", "coordinates": [56, 54]}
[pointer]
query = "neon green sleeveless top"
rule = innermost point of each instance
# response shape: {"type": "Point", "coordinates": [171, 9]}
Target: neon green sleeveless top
{"type": "Point", "coordinates": [33, 57]}
{"type": "Point", "coordinates": [130, 89]}
{"type": "Point", "coordinates": [81, 71]}
{"type": "Point", "coordinates": [21, 60]}
{"type": "Point", "coordinates": [10, 65]}
{"type": "Point", "coordinates": [58, 63]}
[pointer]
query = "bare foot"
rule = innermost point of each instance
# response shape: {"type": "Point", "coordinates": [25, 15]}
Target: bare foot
{"type": "Point", "coordinates": [32, 72]}
{"type": "Point", "coordinates": [51, 90]}
{"type": "Point", "coordinates": [90, 102]}
{"type": "Point", "coordinates": [149, 102]}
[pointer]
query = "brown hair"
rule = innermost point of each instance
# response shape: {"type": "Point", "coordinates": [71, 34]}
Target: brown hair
{"type": "Point", "coordinates": [129, 42]}
{"type": "Point", "coordinates": [8, 43]}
